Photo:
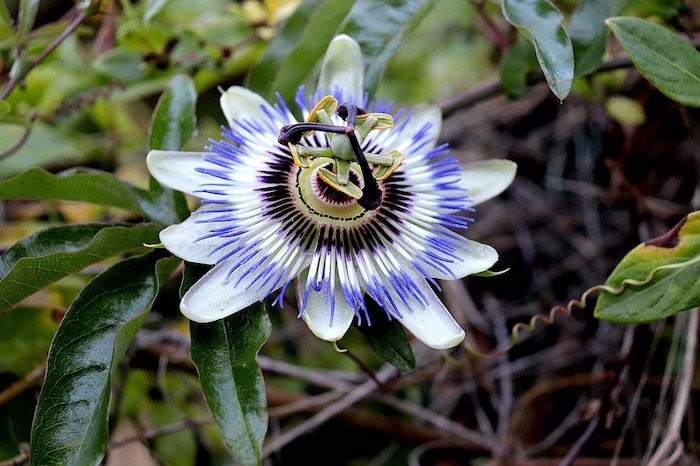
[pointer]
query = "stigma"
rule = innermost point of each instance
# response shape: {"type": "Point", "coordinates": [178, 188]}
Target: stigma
{"type": "Point", "coordinates": [344, 152]}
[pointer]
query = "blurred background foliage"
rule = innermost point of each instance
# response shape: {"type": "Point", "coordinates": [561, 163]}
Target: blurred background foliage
{"type": "Point", "coordinates": [614, 164]}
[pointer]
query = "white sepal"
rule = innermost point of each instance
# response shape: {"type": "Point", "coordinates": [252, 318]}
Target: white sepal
{"type": "Point", "coordinates": [428, 321]}
{"type": "Point", "coordinates": [178, 170]}
{"type": "Point", "coordinates": [218, 294]}
{"type": "Point", "coordinates": [484, 179]}
{"type": "Point", "coordinates": [239, 103]}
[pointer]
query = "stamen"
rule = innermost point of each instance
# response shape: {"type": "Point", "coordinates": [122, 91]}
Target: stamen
{"type": "Point", "coordinates": [291, 134]}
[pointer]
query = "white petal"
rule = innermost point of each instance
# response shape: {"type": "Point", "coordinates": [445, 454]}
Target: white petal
{"type": "Point", "coordinates": [177, 170]}
{"type": "Point", "coordinates": [185, 239]}
{"type": "Point", "coordinates": [216, 295]}
{"type": "Point", "coordinates": [476, 258]}
{"type": "Point", "coordinates": [342, 68]}
{"type": "Point", "coordinates": [239, 103]}
{"type": "Point", "coordinates": [422, 115]}
{"type": "Point", "coordinates": [317, 313]}
{"type": "Point", "coordinates": [484, 179]}
{"type": "Point", "coordinates": [430, 322]}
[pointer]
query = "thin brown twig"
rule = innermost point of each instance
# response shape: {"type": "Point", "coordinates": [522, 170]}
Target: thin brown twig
{"type": "Point", "coordinates": [494, 87]}
{"type": "Point", "coordinates": [491, 26]}
{"type": "Point", "coordinates": [316, 377]}
{"type": "Point", "coordinates": [670, 449]}
{"type": "Point", "coordinates": [19, 459]}
{"type": "Point", "coordinates": [14, 80]}
{"type": "Point", "coordinates": [580, 442]}
{"type": "Point", "coordinates": [151, 434]}
{"type": "Point", "coordinates": [306, 403]}
{"type": "Point", "coordinates": [367, 370]}
{"type": "Point", "coordinates": [355, 395]}
{"type": "Point", "coordinates": [29, 380]}
{"type": "Point", "coordinates": [20, 142]}
{"type": "Point", "coordinates": [470, 437]}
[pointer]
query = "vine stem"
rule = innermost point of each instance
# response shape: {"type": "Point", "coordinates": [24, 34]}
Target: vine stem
{"type": "Point", "coordinates": [33, 378]}
{"type": "Point", "coordinates": [12, 83]}
{"type": "Point", "coordinates": [494, 87]}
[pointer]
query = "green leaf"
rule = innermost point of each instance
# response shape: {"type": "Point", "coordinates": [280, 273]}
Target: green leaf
{"type": "Point", "coordinates": [159, 204]}
{"type": "Point", "coordinates": [656, 279]}
{"type": "Point", "coordinates": [388, 339]}
{"type": "Point", "coordinates": [164, 205]}
{"type": "Point", "coordinates": [379, 28]}
{"type": "Point", "coordinates": [9, 446]}
{"type": "Point", "coordinates": [47, 256]}
{"type": "Point", "coordinates": [46, 145]}
{"type": "Point", "coordinates": [70, 426]}
{"type": "Point", "coordinates": [5, 16]}
{"type": "Point", "coordinates": [121, 64]}
{"type": "Point", "coordinates": [540, 23]}
{"type": "Point", "coordinates": [298, 47]}
{"type": "Point", "coordinates": [666, 59]}
{"type": "Point", "coordinates": [589, 34]}
{"type": "Point", "coordinates": [174, 120]}
{"type": "Point", "coordinates": [152, 8]}
{"type": "Point", "coordinates": [515, 66]}
{"type": "Point", "coordinates": [27, 15]}
{"type": "Point", "coordinates": [224, 352]}
{"type": "Point", "coordinates": [82, 185]}
{"type": "Point", "coordinates": [174, 123]}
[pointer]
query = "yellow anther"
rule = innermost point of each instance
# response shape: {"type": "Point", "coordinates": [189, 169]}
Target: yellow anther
{"type": "Point", "coordinates": [384, 120]}
{"type": "Point", "coordinates": [382, 172]}
{"type": "Point", "coordinates": [322, 111]}
{"type": "Point", "coordinates": [299, 160]}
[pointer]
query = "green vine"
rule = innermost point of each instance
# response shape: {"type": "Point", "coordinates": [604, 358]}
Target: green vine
{"type": "Point", "coordinates": [548, 319]}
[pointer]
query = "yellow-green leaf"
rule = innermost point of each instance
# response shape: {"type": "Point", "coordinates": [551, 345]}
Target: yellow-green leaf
{"type": "Point", "coordinates": [656, 279]}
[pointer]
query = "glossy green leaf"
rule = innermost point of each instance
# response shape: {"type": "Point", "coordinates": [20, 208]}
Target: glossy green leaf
{"type": "Point", "coordinates": [379, 28]}
{"type": "Point", "coordinates": [388, 339]}
{"type": "Point", "coordinates": [224, 352]}
{"type": "Point", "coordinates": [158, 204]}
{"type": "Point", "coordinates": [70, 426]}
{"type": "Point", "coordinates": [541, 23]}
{"type": "Point", "coordinates": [50, 255]}
{"type": "Point", "coordinates": [82, 185]}
{"type": "Point", "coordinates": [174, 123]}
{"type": "Point", "coordinates": [665, 58]}
{"type": "Point", "coordinates": [589, 34]}
{"type": "Point", "coordinates": [298, 47]}
{"type": "Point", "coordinates": [656, 279]}
{"type": "Point", "coordinates": [174, 120]}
